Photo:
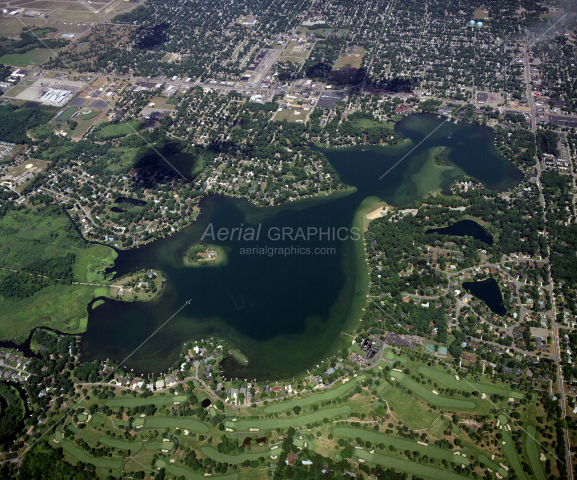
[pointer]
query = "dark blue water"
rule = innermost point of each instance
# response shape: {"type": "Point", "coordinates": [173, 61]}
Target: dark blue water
{"type": "Point", "coordinates": [465, 228]}
{"type": "Point", "coordinates": [488, 291]}
{"type": "Point", "coordinates": [285, 313]}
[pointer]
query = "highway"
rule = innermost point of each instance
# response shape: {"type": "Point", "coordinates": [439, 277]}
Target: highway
{"type": "Point", "coordinates": [555, 326]}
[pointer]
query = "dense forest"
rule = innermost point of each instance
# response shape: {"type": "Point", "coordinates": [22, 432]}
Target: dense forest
{"type": "Point", "coordinates": [12, 409]}
{"type": "Point", "coordinates": [15, 121]}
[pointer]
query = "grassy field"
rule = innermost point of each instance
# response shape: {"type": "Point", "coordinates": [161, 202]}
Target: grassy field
{"type": "Point", "coordinates": [389, 354]}
{"type": "Point", "coordinates": [315, 398]}
{"type": "Point", "coordinates": [131, 402]}
{"type": "Point", "coordinates": [354, 60]}
{"type": "Point", "coordinates": [182, 423]}
{"type": "Point", "coordinates": [32, 57]}
{"type": "Point", "coordinates": [429, 397]}
{"type": "Point", "coordinates": [287, 422]}
{"type": "Point", "coordinates": [409, 410]}
{"type": "Point", "coordinates": [28, 239]}
{"type": "Point", "coordinates": [409, 466]}
{"type": "Point", "coordinates": [290, 115]}
{"type": "Point", "coordinates": [533, 452]}
{"type": "Point", "coordinates": [119, 130]}
{"type": "Point", "coordinates": [467, 385]}
{"type": "Point", "coordinates": [399, 443]}
{"type": "Point", "coordinates": [214, 454]}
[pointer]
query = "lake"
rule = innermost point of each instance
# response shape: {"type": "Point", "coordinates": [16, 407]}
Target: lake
{"type": "Point", "coordinates": [488, 291]}
{"type": "Point", "coordinates": [285, 312]}
{"type": "Point", "coordinates": [465, 228]}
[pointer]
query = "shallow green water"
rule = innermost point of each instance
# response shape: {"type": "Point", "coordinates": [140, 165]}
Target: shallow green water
{"type": "Point", "coordinates": [284, 312]}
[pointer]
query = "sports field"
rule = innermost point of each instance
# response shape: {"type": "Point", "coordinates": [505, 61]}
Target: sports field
{"type": "Point", "coordinates": [271, 423]}
{"type": "Point", "coordinates": [399, 443]}
{"type": "Point", "coordinates": [467, 385]}
{"type": "Point", "coordinates": [132, 402]}
{"type": "Point", "coordinates": [315, 398]}
{"type": "Point", "coordinates": [408, 466]}
{"type": "Point", "coordinates": [66, 114]}
{"type": "Point", "coordinates": [214, 454]}
{"type": "Point", "coordinates": [182, 423]}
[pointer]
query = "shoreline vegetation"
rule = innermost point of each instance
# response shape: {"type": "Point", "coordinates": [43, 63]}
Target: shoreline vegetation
{"type": "Point", "coordinates": [201, 255]}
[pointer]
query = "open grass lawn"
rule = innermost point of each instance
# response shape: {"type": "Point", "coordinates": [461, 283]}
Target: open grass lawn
{"type": "Point", "coordinates": [315, 398]}
{"type": "Point", "coordinates": [467, 385]}
{"type": "Point", "coordinates": [350, 433]}
{"type": "Point", "coordinates": [15, 91]}
{"type": "Point", "coordinates": [409, 466]}
{"type": "Point", "coordinates": [33, 57]}
{"type": "Point", "coordinates": [119, 130]}
{"type": "Point", "coordinates": [366, 123]}
{"type": "Point", "coordinates": [353, 60]}
{"type": "Point", "coordinates": [12, 27]}
{"type": "Point", "coordinates": [292, 421]}
{"type": "Point", "coordinates": [165, 102]}
{"type": "Point", "coordinates": [170, 422]}
{"type": "Point", "coordinates": [290, 115]}
{"type": "Point", "coordinates": [409, 410]}
{"type": "Point", "coordinates": [214, 454]}
{"type": "Point", "coordinates": [132, 402]}
{"type": "Point", "coordinates": [389, 354]}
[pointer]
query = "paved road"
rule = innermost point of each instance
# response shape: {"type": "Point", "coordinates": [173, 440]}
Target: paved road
{"type": "Point", "coordinates": [555, 326]}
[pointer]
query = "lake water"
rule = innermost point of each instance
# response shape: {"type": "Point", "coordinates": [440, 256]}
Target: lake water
{"type": "Point", "coordinates": [465, 228]}
{"type": "Point", "coordinates": [284, 312]}
{"type": "Point", "coordinates": [488, 291]}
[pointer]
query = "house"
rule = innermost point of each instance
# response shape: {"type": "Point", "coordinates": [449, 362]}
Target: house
{"type": "Point", "coordinates": [170, 381]}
